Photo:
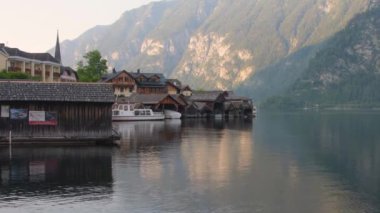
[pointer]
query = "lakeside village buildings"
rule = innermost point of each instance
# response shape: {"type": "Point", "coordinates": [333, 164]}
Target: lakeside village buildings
{"type": "Point", "coordinates": [158, 93]}
{"type": "Point", "coordinates": [59, 109]}
{"type": "Point", "coordinates": [41, 65]}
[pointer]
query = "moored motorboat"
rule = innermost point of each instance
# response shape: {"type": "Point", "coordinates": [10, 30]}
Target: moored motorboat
{"type": "Point", "coordinates": [128, 112]}
{"type": "Point", "coordinates": [170, 114]}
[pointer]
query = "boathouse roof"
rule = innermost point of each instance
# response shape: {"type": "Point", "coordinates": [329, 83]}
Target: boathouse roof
{"type": "Point", "coordinates": [147, 98]}
{"type": "Point", "coordinates": [56, 92]}
{"type": "Point", "coordinates": [207, 95]}
{"type": "Point", "coordinates": [237, 98]}
{"type": "Point", "coordinates": [150, 99]}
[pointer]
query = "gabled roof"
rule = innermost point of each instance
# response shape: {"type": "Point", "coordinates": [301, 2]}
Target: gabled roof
{"type": "Point", "coordinates": [149, 99]}
{"type": "Point", "coordinates": [207, 95]}
{"type": "Point", "coordinates": [186, 87]}
{"type": "Point", "coordinates": [15, 52]}
{"type": "Point", "coordinates": [70, 71]}
{"type": "Point", "coordinates": [202, 106]}
{"type": "Point", "coordinates": [175, 83]}
{"type": "Point", "coordinates": [236, 98]}
{"type": "Point", "coordinates": [233, 105]}
{"type": "Point", "coordinates": [180, 99]}
{"type": "Point", "coordinates": [136, 76]}
{"type": "Point", "coordinates": [110, 76]}
{"type": "Point", "coordinates": [2, 51]}
{"type": "Point", "coordinates": [160, 83]}
{"type": "Point", "coordinates": [231, 96]}
{"type": "Point", "coordinates": [56, 92]}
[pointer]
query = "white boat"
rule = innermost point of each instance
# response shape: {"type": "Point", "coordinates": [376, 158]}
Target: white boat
{"type": "Point", "coordinates": [127, 112]}
{"type": "Point", "coordinates": [254, 111]}
{"type": "Point", "coordinates": [170, 114]}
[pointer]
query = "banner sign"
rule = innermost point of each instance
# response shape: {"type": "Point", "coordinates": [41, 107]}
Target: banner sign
{"type": "Point", "coordinates": [42, 118]}
{"type": "Point", "coordinates": [4, 111]}
{"type": "Point", "coordinates": [19, 114]}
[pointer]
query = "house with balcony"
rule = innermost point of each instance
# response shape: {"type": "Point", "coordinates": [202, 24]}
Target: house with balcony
{"type": "Point", "coordinates": [128, 83]}
{"type": "Point", "coordinates": [123, 83]}
{"type": "Point", "coordinates": [150, 83]}
{"type": "Point", "coordinates": [43, 66]}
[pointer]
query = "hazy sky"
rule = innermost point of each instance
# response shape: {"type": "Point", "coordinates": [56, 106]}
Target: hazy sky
{"type": "Point", "coordinates": [32, 25]}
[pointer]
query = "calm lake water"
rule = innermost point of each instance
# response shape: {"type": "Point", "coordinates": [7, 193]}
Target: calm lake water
{"type": "Point", "coordinates": [279, 162]}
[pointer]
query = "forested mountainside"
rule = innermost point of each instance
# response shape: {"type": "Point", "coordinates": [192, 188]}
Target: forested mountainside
{"type": "Point", "coordinates": [345, 73]}
{"type": "Point", "coordinates": [257, 47]}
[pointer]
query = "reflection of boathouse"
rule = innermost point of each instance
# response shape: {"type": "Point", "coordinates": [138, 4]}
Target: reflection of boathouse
{"type": "Point", "coordinates": [62, 170]}
{"type": "Point", "coordinates": [55, 111]}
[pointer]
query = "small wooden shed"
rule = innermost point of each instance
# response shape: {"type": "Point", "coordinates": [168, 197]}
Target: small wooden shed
{"type": "Point", "coordinates": [37, 112]}
{"type": "Point", "coordinates": [209, 102]}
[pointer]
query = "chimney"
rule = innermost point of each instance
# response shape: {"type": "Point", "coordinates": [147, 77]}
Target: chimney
{"type": "Point", "coordinates": [138, 71]}
{"type": "Point", "coordinates": [2, 45]}
{"type": "Point", "coordinates": [114, 70]}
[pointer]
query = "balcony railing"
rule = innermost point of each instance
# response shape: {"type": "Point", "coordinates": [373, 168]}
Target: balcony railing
{"type": "Point", "coordinates": [14, 69]}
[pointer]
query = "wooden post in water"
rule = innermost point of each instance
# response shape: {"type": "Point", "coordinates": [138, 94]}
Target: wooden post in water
{"type": "Point", "coordinates": [10, 144]}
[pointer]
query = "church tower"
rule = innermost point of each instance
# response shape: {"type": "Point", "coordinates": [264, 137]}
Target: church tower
{"type": "Point", "coordinates": [58, 50]}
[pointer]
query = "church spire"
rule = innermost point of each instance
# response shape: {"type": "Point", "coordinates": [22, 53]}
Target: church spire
{"type": "Point", "coordinates": [58, 50]}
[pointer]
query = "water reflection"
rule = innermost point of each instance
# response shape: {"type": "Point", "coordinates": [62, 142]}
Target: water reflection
{"type": "Point", "coordinates": [340, 150]}
{"type": "Point", "coordinates": [217, 156]}
{"type": "Point", "coordinates": [278, 163]}
{"type": "Point", "coordinates": [172, 173]}
{"type": "Point", "coordinates": [140, 135]}
{"type": "Point", "coordinates": [298, 162]}
{"type": "Point", "coordinates": [59, 173]}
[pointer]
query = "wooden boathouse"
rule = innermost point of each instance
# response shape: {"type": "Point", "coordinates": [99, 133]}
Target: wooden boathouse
{"type": "Point", "coordinates": [209, 103]}
{"type": "Point", "coordinates": [72, 113]}
{"type": "Point", "coordinates": [156, 102]}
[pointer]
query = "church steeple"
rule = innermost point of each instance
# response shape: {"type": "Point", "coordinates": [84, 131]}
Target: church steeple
{"type": "Point", "coordinates": [58, 50]}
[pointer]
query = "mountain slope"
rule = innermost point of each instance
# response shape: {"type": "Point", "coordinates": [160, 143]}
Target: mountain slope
{"type": "Point", "coordinates": [346, 72]}
{"type": "Point", "coordinates": [255, 34]}
{"type": "Point", "coordinates": [220, 44]}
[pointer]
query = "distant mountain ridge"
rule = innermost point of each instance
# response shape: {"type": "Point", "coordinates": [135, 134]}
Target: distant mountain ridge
{"type": "Point", "coordinates": [346, 72]}
{"type": "Point", "coordinates": [250, 45]}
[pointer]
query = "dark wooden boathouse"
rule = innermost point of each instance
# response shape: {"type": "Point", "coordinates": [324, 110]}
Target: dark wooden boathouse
{"type": "Point", "coordinates": [210, 103]}
{"type": "Point", "coordinates": [55, 112]}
